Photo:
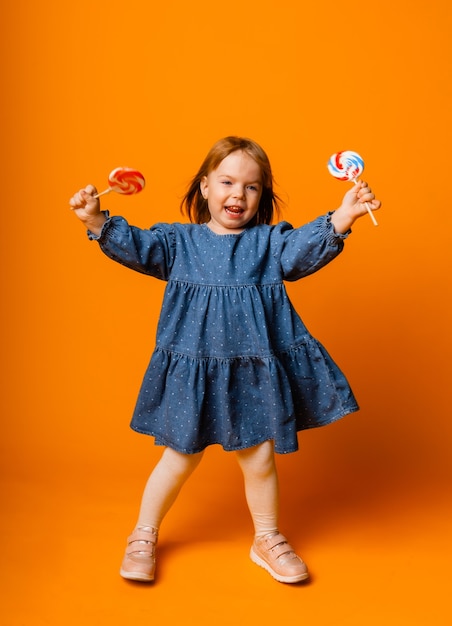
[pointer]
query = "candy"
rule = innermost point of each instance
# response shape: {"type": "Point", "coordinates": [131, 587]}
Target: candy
{"type": "Point", "coordinates": [124, 180]}
{"type": "Point", "coordinates": [348, 165]}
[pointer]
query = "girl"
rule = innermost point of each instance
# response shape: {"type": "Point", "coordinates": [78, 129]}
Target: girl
{"type": "Point", "coordinates": [233, 364]}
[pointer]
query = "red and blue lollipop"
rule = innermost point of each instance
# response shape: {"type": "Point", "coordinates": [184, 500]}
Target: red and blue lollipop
{"type": "Point", "coordinates": [348, 165]}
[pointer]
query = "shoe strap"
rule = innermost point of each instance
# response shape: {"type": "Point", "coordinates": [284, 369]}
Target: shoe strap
{"type": "Point", "coordinates": [148, 535]}
{"type": "Point", "coordinates": [277, 545]}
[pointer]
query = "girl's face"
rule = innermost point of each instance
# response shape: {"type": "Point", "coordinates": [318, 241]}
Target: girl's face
{"type": "Point", "coordinates": [233, 192]}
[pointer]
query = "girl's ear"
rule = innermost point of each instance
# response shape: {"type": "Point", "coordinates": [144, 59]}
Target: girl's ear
{"type": "Point", "coordinates": [203, 187]}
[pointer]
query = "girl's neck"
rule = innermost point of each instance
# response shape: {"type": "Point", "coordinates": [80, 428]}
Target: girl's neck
{"type": "Point", "coordinates": [221, 230]}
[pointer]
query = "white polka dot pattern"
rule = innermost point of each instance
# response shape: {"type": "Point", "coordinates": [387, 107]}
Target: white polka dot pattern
{"type": "Point", "coordinates": [234, 364]}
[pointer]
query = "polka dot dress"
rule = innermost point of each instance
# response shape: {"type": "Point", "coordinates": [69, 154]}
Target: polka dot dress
{"type": "Point", "coordinates": [233, 363]}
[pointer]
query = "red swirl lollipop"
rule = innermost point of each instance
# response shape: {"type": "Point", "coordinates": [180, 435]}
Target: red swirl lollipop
{"type": "Point", "coordinates": [124, 180]}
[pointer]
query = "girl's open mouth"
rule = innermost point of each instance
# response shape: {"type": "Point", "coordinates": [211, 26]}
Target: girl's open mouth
{"type": "Point", "coordinates": [234, 210]}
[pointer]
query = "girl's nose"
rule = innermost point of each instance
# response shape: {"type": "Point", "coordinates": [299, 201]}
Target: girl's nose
{"type": "Point", "coordinates": [239, 191]}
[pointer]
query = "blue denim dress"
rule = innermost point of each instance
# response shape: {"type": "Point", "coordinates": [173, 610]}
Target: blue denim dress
{"type": "Point", "coordinates": [233, 362]}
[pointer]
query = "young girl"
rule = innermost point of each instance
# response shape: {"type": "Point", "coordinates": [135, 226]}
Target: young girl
{"type": "Point", "coordinates": [233, 364]}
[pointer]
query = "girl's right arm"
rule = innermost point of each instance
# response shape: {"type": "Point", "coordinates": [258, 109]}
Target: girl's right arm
{"type": "Point", "coordinates": [87, 209]}
{"type": "Point", "coordinates": [149, 251]}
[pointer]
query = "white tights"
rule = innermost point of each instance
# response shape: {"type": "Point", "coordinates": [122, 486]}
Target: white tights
{"type": "Point", "coordinates": [174, 468]}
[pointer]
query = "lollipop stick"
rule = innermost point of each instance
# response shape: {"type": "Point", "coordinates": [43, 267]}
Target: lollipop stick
{"type": "Point", "coordinates": [367, 205]}
{"type": "Point", "coordinates": [371, 213]}
{"type": "Point", "coordinates": [102, 193]}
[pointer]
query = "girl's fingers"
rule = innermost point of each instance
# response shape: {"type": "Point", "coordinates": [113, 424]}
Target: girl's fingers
{"type": "Point", "coordinates": [82, 197]}
{"type": "Point", "coordinates": [76, 201]}
{"type": "Point", "coordinates": [375, 204]}
{"type": "Point", "coordinates": [366, 196]}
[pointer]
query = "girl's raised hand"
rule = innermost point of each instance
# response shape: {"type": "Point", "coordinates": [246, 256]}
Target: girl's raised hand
{"type": "Point", "coordinates": [354, 206]}
{"type": "Point", "coordinates": [84, 200]}
{"type": "Point", "coordinates": [87, 208]}
{"type": "Point", "coordinates": [355, 199]}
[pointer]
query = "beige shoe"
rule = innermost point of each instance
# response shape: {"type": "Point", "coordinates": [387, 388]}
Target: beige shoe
{"type": "Point", "coordinates": [276, 555]}
{"type": "Point", "coordinates": [139, 559]}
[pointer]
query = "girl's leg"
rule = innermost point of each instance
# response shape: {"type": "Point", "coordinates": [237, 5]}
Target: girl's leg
{"type": "Point", "coordinates": [162, 489]}
{"type": "Point", "coordinates": [164, 484]}
{"type": "Point", "coordinates": [261, 486]}
{"type": "Point", "coordinates": [270, 549]}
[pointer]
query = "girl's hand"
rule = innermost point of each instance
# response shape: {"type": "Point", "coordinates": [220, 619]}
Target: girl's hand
{"type": "Point", "coordinates": [87, 209]}
{"type": "Point", "coordinates": [353, 206]}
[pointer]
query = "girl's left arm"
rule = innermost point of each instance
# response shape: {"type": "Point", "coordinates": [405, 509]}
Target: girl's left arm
{"type": "Point", "coordinates": [353, 207]}
{"type": "Point", "coordinates": [310, 247]}
{"type": "Point", "coordinates": [307, 249]}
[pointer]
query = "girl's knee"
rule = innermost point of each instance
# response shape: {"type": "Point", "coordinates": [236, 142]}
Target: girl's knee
{"type": "Point", "coordinates": [179, 462]}
{"type": "Point", "coordinates": [258, 460]}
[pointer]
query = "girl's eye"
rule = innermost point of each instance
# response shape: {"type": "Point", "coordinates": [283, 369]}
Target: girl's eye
{"type": "Point", "coordinates": [252, 187]}
{"type": "Point", "coordinates": [226, 182]}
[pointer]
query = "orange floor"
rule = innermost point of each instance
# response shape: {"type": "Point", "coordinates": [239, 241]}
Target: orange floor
{"type": "Point", "coordinates": [377, 556]}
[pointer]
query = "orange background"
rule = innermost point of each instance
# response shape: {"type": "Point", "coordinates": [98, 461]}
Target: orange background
{"type": "Point", "coordinates": [89, 86]}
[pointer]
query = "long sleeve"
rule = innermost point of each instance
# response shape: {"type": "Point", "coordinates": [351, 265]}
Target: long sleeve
{"type": "Point", "coordinates": [148, 251]}
{"type": "Point", "coordinates": [309, 248]}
